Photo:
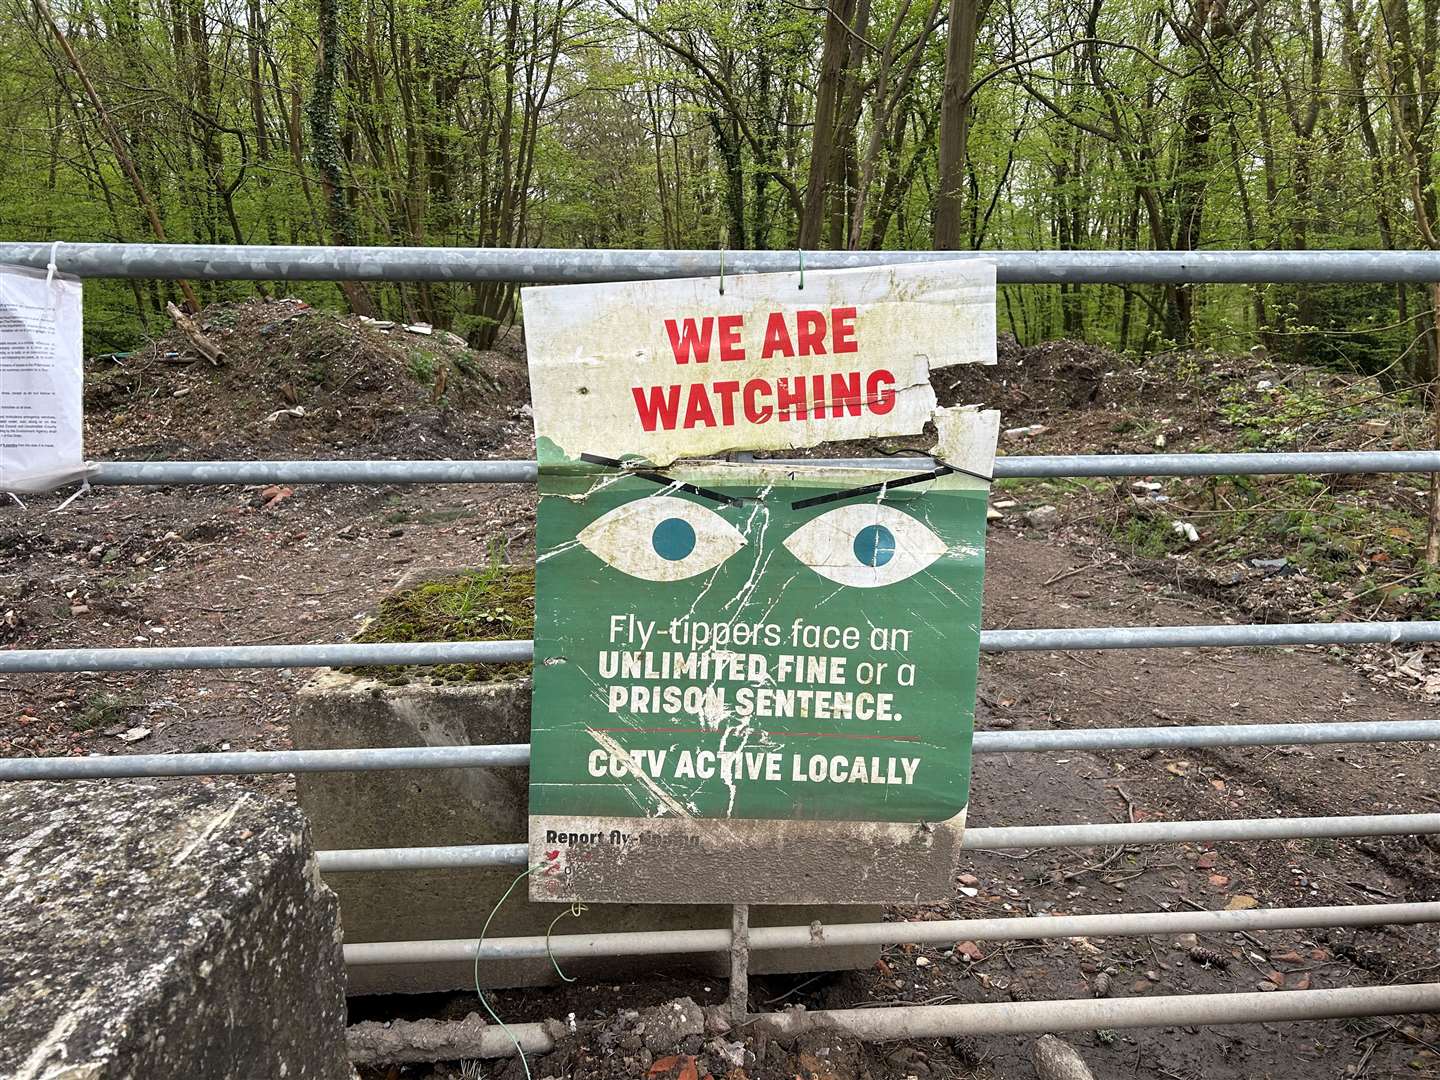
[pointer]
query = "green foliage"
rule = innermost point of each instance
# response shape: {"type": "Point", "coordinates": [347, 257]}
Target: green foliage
{"type": "Point", "coordinates": [423, 366]}
{"type": "Point", "coordinates": [1150, 535]}
{"type": "Point", "coordinates": [690, 124]}
{"type": "Point", "coordinates": [1278, 417]}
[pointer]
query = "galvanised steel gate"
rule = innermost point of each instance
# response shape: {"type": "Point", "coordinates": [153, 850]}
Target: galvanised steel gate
{"type": "Point", "coordinates": [478, 264]}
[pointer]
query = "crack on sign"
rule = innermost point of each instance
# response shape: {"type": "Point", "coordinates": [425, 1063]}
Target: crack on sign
{"type": "Point", "coordinates": [600, 484]}
{"type": "Point", "coordinates": [558, 549]}
{"type": "Point", "coordinates": [663, 797]}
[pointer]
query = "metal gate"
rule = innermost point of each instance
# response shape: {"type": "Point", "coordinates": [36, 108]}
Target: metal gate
{"type": "Point", "coordinates": [467, 264]}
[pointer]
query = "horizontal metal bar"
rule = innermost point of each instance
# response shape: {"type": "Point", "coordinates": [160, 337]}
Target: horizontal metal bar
{"type": "Point", "coordinates": [1026, 928]}
{"type": "Point", "coordinates": [1169, 832]}
{"type": "Point", "coordinates": [251, 762]}
{"type": "Point", "coordinates": [498, 652]}
{"type": "Point", "coordinates": [1207, 636]}
{"type": "Point", "coordinates": [440, 857]}
{"type": "Point", "coordinates": [977, 839]}
{"type": "Point", "coordinates": [520, 471]}
{"type": "Point", "coordinates": [518, 754]}
{"type": "Point", "coordinates": [165, 473]}
{"type": "Point", "coordinates": [199, 657]}
{"type": "Point", "coordinates": [422, 858]}
{"type": "Point", "coordinates": [1012, 1017]}
{"type": "Point", "coordinates": [1089, 1014]}
{"type": "Point", "coordinates": [1139, 738]}
{"type": "Point", "coordinates": [1314, 462]}
{"type": "Point", "coordinates": [294, 263]}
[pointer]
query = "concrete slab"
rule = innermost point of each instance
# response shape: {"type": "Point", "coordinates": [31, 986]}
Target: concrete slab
{"type": "Point", "coordinates": [476, 806]}
{"type": "Point", "coordinates": [164, 930]}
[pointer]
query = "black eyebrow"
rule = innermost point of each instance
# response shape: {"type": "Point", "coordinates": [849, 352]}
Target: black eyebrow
{"type": "Point", "coordinates": [648, 472]}
{"type": "Point", "coordinates": [940, 470]}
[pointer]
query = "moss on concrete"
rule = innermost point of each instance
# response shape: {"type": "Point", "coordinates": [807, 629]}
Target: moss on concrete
{"type": "Point", "coordinates": [495, 603]}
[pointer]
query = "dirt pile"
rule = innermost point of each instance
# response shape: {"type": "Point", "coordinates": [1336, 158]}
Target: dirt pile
{"type": "Point", "coordinates": [300, 381]}
{"type": "Point", "coordinates": [1029, 383]}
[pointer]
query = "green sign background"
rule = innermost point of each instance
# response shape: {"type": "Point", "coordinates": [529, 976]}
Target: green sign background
{"type": "Point", "coordinates": [929, 619]}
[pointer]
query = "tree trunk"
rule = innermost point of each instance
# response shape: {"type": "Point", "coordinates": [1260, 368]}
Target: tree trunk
{"type": "Point", "coordinates": [955, 122]}
{"type": "Point", "coordinates": [325, 151]}
{"type": "Point", "coordinates": [822, 141]}
{"type": "Point", "coordinates": [117, 144]}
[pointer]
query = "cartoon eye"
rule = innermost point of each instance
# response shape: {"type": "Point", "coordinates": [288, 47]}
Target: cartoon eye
{"type": "Point", "coordinates": [661, 538]}
{"type": "Point", "coordinates": [867, 545]}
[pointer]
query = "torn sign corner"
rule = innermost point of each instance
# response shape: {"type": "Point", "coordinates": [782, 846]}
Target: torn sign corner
{"type": "Point", "coordinates": [966, 437]}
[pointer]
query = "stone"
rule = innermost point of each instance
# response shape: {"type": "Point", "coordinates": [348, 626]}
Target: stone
{"type": "Point", "coordinates": [173, 930]}
{"type": "Point", "coordinates": [414, 808]}
{"type": "Point", "coordinates": [1045, 518]}
{"type": "Point", "coordinates": [1055, 1059]}
{"type": "Point", "coordinates": [670, 1024]}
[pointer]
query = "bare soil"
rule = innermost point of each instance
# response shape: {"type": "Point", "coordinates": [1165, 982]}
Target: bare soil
{"type": "Point", "coordinates": [231, 565]}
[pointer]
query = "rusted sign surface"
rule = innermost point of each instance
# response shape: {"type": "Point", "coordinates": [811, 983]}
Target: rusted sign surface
{"type": "Point", "coordinates": [754, 683]}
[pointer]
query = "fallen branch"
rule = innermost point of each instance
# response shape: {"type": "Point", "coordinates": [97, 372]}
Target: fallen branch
{"type": "Point", "coordinates": [202, 344]}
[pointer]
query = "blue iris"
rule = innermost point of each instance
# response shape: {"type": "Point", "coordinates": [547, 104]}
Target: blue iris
{"type": "Point", "coordinates": [874, 545]}
{"type": "Point", "coordinates": [674, 538]}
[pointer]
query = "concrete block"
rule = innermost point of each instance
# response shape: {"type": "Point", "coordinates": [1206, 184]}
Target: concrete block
{"type": "Point", "coordinates": [154, 931]}
{"type": "Point", "coordinates": [477, 806]}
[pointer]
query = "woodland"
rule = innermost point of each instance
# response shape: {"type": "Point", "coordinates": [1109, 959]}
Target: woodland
{"type": "Point", "coordinates": [770, 124]}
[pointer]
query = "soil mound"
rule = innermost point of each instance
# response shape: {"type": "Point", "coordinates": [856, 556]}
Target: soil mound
{"type": "Point", "coordinates": [298, 380]}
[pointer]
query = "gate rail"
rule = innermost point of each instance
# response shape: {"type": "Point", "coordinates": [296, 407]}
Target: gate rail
{"type": "Point", "coordinates": [220, 262]}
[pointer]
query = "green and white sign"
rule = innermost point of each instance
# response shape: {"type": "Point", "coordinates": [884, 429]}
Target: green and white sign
{"type": "Point", "coordinates": [753, 682]}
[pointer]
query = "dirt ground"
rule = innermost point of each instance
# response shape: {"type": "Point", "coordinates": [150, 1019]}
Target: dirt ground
{"type": "Point", "coordinates": [231, 565]}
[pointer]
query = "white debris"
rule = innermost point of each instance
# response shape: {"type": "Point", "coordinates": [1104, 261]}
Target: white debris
{"type": "Point", "coordinates": [1186, 530]}
{"type": "Point", "coordinates": [1022, 432]}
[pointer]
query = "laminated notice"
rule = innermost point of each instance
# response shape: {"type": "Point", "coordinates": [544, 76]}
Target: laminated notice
{"type": "Point", "coordinates": [41, 376]}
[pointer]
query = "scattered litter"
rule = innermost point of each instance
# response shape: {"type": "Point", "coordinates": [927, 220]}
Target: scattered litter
{"type": "Point", "coordinates": [1023, 432]}
{"type": "Point", "coordinates": [134, 734]}
{"type": "Point", "coordinates": [1186, 530]}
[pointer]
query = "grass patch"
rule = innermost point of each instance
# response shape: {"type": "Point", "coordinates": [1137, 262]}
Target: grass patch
{"type": "Point", "coordinates": [495, 603]}
{"type": "Point", "coordinates": [1151, 536]}
{"type": "Point", "coordinates": [103, 710]}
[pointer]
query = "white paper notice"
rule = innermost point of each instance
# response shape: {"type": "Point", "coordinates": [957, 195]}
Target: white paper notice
{"type": "Point", "coordinates": [41, 373]}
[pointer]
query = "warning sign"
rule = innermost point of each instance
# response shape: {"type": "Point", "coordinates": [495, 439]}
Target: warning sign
{"type": "Point", "coordinates": [754, 682]}
{"type": "Point", "coordinates": [665, 369]}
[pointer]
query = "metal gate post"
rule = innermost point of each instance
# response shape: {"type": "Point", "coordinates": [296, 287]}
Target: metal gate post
{"type": "Point", "coordinates": [739, 964]}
